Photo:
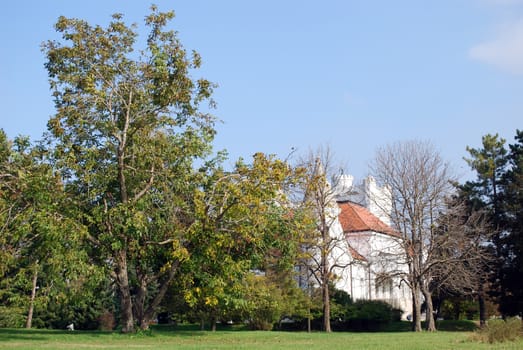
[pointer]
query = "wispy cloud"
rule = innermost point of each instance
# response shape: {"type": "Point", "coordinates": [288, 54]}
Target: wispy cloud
{"type": "Point", "coordinates": [504, 50]}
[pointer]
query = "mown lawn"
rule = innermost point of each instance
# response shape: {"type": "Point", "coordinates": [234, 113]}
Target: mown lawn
{"type": "Point", "coordinates": [183, 338]}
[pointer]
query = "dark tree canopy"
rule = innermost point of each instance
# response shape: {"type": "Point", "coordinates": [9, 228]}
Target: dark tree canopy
{"type": "Point", "coordinates": [498, 189]}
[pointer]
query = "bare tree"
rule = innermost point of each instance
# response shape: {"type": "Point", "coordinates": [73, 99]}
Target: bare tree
{"type": "Point", "coordinates": [420, 182]}
{"type": "Point", "coordinates": [325, 253]}
{"type": "Point", "coordinates": [462, 252]}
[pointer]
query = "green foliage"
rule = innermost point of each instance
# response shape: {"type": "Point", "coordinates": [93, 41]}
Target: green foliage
{"type": "Point", "coordinates": [512, 252]}
{"type": "Point", "coordinates": [113, 194]}
{"type": "Point", "coordinates": [341, 303]}
{"type": "Point", "coordinates": [360, 315]}
{"type": "Point", "coordinates": [371, 315]}
{"type": "Point", "coordinates": [459, 309]}
{"type": "Point", "coordinates": [42, 243]}
{"type": "Point", "coordinates": [240, 224]}
{"type": "Point", "coordinates": [267, 300]}
{"type": "Point", "coordinates": [12, 316]}
{"type": "Point", "coordinates": [264, 303]}
{"type": "Point", "coordinates": [127, 129]}
{"type": "Point", "coordinates": [498, 330]}
{"type": "Point", "coordinates": [80, 303]}
{"type": "Point", "coordinates": [498, 188]}
{"type": "Point", "coordinates": [489, 162]}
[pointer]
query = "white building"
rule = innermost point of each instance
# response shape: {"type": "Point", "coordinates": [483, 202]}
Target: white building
{"type": "Point", "coordinates": [373, 256]}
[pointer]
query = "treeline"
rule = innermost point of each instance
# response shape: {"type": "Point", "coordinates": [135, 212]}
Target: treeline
{"type": "Point", "coordinates": [122, 210]}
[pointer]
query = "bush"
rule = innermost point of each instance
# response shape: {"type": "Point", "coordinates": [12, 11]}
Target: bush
{"type": "Point", "coordinates": [264, 303]}
{"type": "Point", "coordinates": [459, 309]}
{"type": "Point", "coordinates": [341, 302]}
{"type": "Point", "coordinates": [371, 315]}
{"type": "Point", "coordinates": [500, 331]}
{"type": "Point", "coordinates": [12, 317]}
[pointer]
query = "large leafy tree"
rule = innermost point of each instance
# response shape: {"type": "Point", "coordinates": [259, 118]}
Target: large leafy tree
{"type": "Point", "coordinates": [127, 129]}
{"type": "Point", "coordinates": [43, 262]}
{"type": "Point", "coordinates": [241, 219]}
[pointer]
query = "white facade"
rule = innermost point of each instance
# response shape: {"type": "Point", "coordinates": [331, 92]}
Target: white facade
{"type": "Point", "coordinates": [372, 259]}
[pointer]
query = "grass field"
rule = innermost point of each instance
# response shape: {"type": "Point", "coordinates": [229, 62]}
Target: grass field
{"type": "Point", "coordinates": [187, 338]}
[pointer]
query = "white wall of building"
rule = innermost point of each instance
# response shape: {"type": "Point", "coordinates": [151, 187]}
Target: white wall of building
{"type": "Point", "coordinates": [384, 254]}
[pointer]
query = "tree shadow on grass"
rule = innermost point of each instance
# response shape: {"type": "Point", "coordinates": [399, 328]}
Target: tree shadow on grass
{"type": "Point", "coordinates": [457, 326]}
{"type": "Point", "coordinates": [191, 329]}
{"type": "Point", "coordinates": [444, 326]}
{"type": "Point", "coordinates": [183, 330]}
{"type": "Point", "coordinates": [7, 334]}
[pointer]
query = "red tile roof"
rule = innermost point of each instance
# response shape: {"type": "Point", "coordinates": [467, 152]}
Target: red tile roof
{"type": "Point", "coordinates": [355, 218]}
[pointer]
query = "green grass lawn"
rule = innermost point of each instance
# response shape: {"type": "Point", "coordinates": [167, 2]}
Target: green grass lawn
{"type": "Point", "coordinates": [188, 338]}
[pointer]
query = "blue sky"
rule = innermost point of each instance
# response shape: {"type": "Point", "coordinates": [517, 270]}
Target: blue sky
{"type": "Point", "coordinates": [353, 75]}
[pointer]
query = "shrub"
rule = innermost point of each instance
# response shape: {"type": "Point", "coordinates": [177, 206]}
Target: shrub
{"type": "Point", "coordinates": [341, 303]}
{"type": "Point", "coordinates": [12, 317]}
{"type": "Point", "coordinates": [263, 303]}
{"type": "Point", "coordinates": [459, 309]}
{"type": "Point", "coordinates": [371, 315]}
{"type": "Point", "coordinates": [500, 331]}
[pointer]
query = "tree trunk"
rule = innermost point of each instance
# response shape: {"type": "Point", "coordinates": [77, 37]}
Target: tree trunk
{"type": "Point", "coordinates": [126, 304]}
{"type": "Point", "coordinates": [416, 309]}
{"type": "Point", "coordinates": [213, 323]}
{"type": "Point", "coordinates": [29, 320]}
{"type": "Point", "coordinates": [309, 294]}
{"type": "Point", "coordinates": [150, 311]}
{"type": "Point", "coordinates": [482, 306]}
{"type": "Point", "coordinates": [414, 272]}
{"type": "Point", "coordinates": [325, 287]}
{"type": "Point", "coordinates": [325, 270]}
{"type": "Point", "coordinates": [144, 323]}
{"type": "Point", "coordinates": [429, 317]}
{"type": "Point", "coordinates": [326, 307]}
{"type": "Point", "coordinates": [416, 294]}
{"type": "Point", "coordinates": [309, 326]}
{"type": "Point", "coordinates": [139, 305]}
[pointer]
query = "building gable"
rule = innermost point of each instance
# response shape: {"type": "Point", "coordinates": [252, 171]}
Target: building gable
{"type": "Point", "coordinates": [355, 218]}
